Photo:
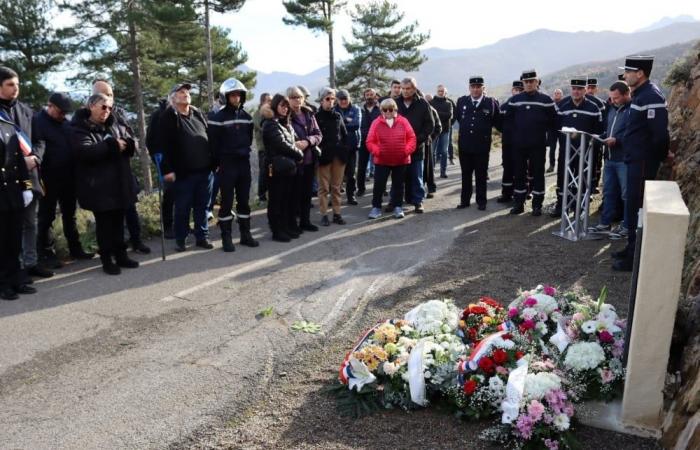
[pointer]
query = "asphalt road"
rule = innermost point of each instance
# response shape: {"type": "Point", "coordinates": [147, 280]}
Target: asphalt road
{"type": "Point", "coordinates": [142, 359]}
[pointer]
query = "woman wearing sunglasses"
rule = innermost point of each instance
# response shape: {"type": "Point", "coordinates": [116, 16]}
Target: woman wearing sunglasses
{"type": "Point", "coordinates": [104, 178]}
{"type": "Point", "coordinates": [390, 141]}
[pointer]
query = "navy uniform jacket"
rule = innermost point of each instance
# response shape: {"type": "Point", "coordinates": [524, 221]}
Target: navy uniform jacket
{"type": "Point", "coordinates": [584, 117]}
{"type": "Point", "coordinates": [505, 125]}
{"type": "Point", "coordinates": [532, 115]}
{"type": "Point", "coordinates": [230, 133]}
{"type": "Point", "coordinates": [14, 177]}
{"type": "Point", "coordinates": [352, 117]}
{"type": "Point", "coordinates": [600, 104]}
{"type": "Point", "coordinates": [476, 123]}
{"type": "Point", "coordinates": [647, 136]}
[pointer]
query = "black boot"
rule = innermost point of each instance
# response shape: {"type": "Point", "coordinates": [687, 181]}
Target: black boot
{"type": "Point", "coordinates": [108, 265]}
{"type": "Point", "coordinates": [226, 241]}
{"type": "Point", "coordinates": [124, 261]}
{"type": "Point", "coordinates": [246, 237]}
{"type": "Point", "coordinates": [77, 252]}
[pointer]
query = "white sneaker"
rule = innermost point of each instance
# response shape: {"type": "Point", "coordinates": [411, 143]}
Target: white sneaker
{"type": "Point", "coordinates": [375, 213]}
{"type": "Point", "coordinates": [398, 213]}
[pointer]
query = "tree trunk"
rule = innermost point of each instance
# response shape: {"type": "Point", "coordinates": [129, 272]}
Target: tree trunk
{"type": "Point", "coordinates": [210, 68]}
{"type": "Point", "coordinates": [331, 63]}
{"type": "Point", "coordinates": [147, 182]}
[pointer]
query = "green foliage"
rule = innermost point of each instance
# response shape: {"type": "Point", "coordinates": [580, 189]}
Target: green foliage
{"type": "Point", "coordinates": [680, 69]}
{"type": "Point", "coordinates": [351, 403]}
{"type": "Point", "coordinates": [306, 327]}
{"type": "Point", "coordinates": [316, 15]}
{"type": "Point", "coordinates": [32, 46]}
{"type": "Point", "coordinates": [380, 44]}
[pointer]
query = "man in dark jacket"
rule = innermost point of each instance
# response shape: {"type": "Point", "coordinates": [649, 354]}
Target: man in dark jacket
{"type": "Point", "coordinates": [187, 161]}
{"type": "Point", "coordinates": [429, 159]}
{"type": "Point", "coordinates": [155, 146]}
{"type": "Point", "coordinates": [58, 176]}
{"type": "Point", "coordinates": [370, 111]}
{"type": "Point", "coordinates": [15, 195]}
{"type": "Point", "coordinates": [507, 161]}
{"type": "Point", "coordinates": [352, 117]}
{"type": "Point", "coordinates": [418, 113]}
{"type": "Point", "coordinates": [20, 115]}
{"type": "Point", "coordinates": [477, 115]}
{"type": "Point", "coordinates": [446, 112]}
{"type": "Point", "coordinates": [532, 115]}
{"type": "Point", "coordinates": [231, 138]}
{"type": "Point", "coordinates": [646, 144]}
{"type": "Point", "coordinates": [133, 223]}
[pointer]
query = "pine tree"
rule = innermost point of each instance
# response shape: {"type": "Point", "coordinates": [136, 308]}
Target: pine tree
{"type": "Point", "coordinates": [32, 46]}
{"type": "Point", "coordinates": [318, 16]}
{"type": "Point", "coordinates": [380, 45]}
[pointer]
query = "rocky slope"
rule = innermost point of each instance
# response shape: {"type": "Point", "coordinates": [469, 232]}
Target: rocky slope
{"type": "Point", "coordinates": [681, 429]}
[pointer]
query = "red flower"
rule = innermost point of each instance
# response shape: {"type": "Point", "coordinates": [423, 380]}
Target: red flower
{"type": "Point", "coordinates": [486, 364]}
{"type": "Point", "coordinates": [472, 333]}
{"type": "Point", "coordinates": [476, 309]}
{"type": "Point", "coordinates": [500, 356]}
{"type": "Point", "coordinates": [469, 387]}
{"type": "Point", "coordinates": [507, 336]}
{"type": "Point", "coordinates": [519, 354]}
{"type": "Point", "coordinates": [491, 302]}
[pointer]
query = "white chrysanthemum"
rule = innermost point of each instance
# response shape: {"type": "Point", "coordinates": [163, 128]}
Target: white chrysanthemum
{"type": "Point", "coordinates": [584, 356]}
{"type": "Point", "coordinates": [545, 303]}
{"type": "Point", "coordinates": [561, 422]}
{"type": "Point", "coordinates": [389, 368]}
{"type": "Point", "coordinates": [429, 317]}
{"type": "Point", "coordinates": [589, 326]}
{"type": "Point", "coordinates": [541, 328]}
{"type": "Point", "coordinates": [505, 344]}
{"type": "Point", "coordinates": [538, 384]}
{"type": "Point", "coordinates": [407, 342]}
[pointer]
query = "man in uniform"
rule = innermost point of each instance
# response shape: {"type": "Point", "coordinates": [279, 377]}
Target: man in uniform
{"type": "Point", "coordinates": [533, 115]}
{"type": "Point", "coordinates": [646, 145]}
{"type": "Point", "coordinates": [591, 94]}
{"type": "Point", "coordinates": [231, 137]}
{"type": "Point", "coordinates": [506, 129]}
{"type": "Point", "coordinates": [553, 138]}
{"type": "Point", "coordinates": [477, 114]}
{"type": "Point", "coordinates": [579, 112]}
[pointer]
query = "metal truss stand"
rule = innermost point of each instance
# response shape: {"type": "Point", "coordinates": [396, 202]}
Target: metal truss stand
{"type": "Point", "coordinates": [576, 195]}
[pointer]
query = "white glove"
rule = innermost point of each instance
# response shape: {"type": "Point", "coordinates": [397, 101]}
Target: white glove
{"type": "Point", "coordinates": [27, 196]}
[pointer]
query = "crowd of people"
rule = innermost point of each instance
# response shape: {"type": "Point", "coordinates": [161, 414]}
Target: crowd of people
{"type": "Point", "coordinates": [304, 151]}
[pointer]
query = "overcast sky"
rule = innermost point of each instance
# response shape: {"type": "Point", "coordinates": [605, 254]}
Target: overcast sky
{"type": "Point", "coordinates": [453, 24]}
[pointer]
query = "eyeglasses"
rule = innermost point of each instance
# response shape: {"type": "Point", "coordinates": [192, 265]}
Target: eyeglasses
{"type": "Point", "coordinates": [387, 109]}
{"type": "Point", "coordinates": [296, 97]}
{"type": "Point", "coordinates": [329, 99]}
{"type": "Point", "coordinates": [107, 108]}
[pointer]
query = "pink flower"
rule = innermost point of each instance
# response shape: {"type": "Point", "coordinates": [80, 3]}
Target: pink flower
{"type": "Point", "coordinates": [606, 376]}
{"type": "Point", "coordinates": [528, 324]}
{"type": "Point", "coordinates": [577, 317]}
{"type": "Point", "coordinates": [605, 337]}
{"type": "Point", "coordinates": [549, 290]}
{"type": "Point", "coordinates": [530, 301]}
{"type": "Point", "coordinates": [513, 312]}
{"type": "Point", "coordinates": [569, 410]}
{"type": "Point", "coordinates": [501, 370]}
{"type": "Point", "coordinates": [535, 409]}
{"type": "Point", "coordinates": [551, 444]}
{"type": "Point", "coordinates": [524, 426]}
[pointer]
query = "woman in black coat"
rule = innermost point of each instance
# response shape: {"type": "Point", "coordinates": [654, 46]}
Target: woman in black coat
{"type": "Point", "coordinates": [104, 179]}
{"type": "Point", "coordinates": [281, 156]}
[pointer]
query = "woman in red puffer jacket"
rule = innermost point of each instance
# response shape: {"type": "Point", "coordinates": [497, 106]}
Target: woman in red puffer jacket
{"type": "Point", "coordinates": [390, 141]}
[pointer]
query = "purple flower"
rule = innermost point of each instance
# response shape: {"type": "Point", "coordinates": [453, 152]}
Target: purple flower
{"type": "Point", "coordinates": [549, 290]}
{"type": "Point", "coordinates": [530, 301]}
{"type": "Point", "coordinates": [551, 444]}
{"type": "Point", "coordinates": [524, 426]}
{"type": "Point", "coordinates": [513, 312]}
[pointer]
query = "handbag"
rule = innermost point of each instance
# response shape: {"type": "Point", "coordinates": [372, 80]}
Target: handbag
{"type": "Point", "coordinates": [283, 166]}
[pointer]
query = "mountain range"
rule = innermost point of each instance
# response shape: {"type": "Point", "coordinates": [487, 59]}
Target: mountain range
{"type": "Point", "coordinates": [546, 51]}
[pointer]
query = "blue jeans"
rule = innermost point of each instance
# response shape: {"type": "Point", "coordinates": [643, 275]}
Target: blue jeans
{"type": "Point", "coordinates": [415, 192]}
{"type": "Point", "coordinates": [440, 147]}
{"type": "Point", "coordinates": [213, 192]}
{"type": "Point", "coordinates": [614, 186]}
{"type": "Point", "coordinates": [192, 193]}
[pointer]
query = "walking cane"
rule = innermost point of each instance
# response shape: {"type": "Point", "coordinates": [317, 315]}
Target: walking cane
{"type": "Point", "coordinates": [158, 158]}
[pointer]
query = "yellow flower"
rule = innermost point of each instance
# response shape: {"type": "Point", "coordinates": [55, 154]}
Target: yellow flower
{"type": "Point", "coordinates": [386, 333]}
{"type": "Point", "coordinates": [487, 320]}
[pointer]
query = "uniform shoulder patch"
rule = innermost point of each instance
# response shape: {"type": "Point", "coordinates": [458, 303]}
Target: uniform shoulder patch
{"type": "Point", "coordinates": [651, 113]}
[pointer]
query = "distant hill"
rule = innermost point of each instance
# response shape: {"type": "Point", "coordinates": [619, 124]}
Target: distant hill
{"type": "Point", "coordinates": [668, 21]}
{"type": "Point", "coordinates": [545, 50]}
{"type": "Point", "coordinates": [606, 71]}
